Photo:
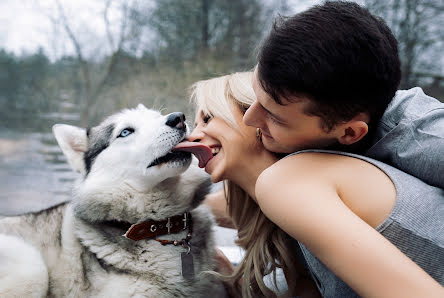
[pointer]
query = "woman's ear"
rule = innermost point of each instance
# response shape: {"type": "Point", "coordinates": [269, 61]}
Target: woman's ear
{"type": "Point", "coordinates": [354, 130]}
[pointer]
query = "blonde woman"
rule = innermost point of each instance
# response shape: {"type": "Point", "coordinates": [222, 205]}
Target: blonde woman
{"type": "Point", "coordinates": [344, 230]}
{"type": "Point", "coordinates": [266, 245]}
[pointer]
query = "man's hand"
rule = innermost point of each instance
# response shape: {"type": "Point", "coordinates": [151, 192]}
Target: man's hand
{"type": "Point", "coordinates": [224, 266]}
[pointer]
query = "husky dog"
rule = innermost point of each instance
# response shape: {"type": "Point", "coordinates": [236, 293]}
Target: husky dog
{"type": "Point", "coordinates": [136, 176]}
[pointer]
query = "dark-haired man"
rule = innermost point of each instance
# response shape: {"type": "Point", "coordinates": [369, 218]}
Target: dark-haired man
{"type": "Point", "coordinates": [327, 78]}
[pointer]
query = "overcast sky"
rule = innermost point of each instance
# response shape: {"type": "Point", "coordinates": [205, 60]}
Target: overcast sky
{"type": "Point", "coordinates": [25, 25]}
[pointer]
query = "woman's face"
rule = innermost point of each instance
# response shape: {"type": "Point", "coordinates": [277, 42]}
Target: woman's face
{"type": "Point", "coordinates": [232, 147]}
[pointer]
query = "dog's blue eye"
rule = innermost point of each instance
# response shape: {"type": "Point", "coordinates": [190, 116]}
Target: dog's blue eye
{"type": "Point", "coordinates": [126, 132]}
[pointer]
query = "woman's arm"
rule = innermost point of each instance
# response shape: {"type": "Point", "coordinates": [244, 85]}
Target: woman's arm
{"type": "Point", "coordinates": [305, 203]}
{"type": "Point", "coordinates": [218, 205]}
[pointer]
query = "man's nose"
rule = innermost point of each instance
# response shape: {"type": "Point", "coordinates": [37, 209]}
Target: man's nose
{"type": "Point", "coordinates": [252, 116]}
{"type": "Point", "coordinates": [176, 120]}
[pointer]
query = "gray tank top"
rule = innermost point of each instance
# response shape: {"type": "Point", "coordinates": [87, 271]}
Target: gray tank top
{"type": "Point", "coordinates": [415, 226]}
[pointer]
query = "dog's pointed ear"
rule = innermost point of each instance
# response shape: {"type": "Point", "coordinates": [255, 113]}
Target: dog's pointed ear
{"type": "Point", "coordinates": [74, 143]}
{"type": "Point", "coordinates": [141, 107]}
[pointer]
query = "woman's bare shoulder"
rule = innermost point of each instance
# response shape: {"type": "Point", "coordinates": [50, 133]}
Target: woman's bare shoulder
{"type": "Point", "coordinates": [363, 188]}
{"type": "Point", "coordinates": [310, 197]}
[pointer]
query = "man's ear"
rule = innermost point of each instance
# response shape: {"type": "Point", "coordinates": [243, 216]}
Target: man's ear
{"type": "Point", "coordinates": [354, 130]}
{"type": "Point", "coordinates": [73, 142]}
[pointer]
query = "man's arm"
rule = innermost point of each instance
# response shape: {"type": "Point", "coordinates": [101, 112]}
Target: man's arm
{"type": "Point", "coordinates": [410, 136]}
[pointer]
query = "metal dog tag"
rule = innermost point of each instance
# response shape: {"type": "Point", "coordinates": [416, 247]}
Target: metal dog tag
{"type": "Point", "coordinates": [187, 265]}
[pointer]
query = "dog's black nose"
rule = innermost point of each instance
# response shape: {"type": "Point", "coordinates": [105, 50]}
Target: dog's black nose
{"type": "Point", "coordinates": [176, 120]}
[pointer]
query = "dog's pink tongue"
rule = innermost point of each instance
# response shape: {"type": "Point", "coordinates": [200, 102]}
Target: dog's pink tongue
{"type": "Point", "coordinates": [201, 151]}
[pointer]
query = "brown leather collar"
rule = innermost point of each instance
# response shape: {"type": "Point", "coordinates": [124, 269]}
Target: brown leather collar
{"type": "Point", "coordinates": [151, 229]}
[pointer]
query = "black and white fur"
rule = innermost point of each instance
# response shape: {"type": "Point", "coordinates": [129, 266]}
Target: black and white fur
{"type": "Point", "coordinates": [72, 251]}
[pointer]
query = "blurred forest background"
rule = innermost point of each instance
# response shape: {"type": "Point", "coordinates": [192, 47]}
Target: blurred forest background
{"type": "Point", "coordinates": [155, 49]}
{"type": "Point", "coordinates": [152, 51]}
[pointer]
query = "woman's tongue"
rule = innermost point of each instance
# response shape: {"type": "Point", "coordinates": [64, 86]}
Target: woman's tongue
{"type": "Point", "coordinates": [201, 151]}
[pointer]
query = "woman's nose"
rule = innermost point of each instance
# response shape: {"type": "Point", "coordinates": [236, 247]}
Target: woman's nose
{"type": "Point", "coordinates": [196, 135]}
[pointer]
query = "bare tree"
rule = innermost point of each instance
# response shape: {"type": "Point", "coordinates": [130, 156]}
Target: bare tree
{"type": "Point", "coordinates": [417, 24]}
{"type": "Point", "coordinates": [93, 81]}
{"type": "Point", "coordinates": [225, 30]}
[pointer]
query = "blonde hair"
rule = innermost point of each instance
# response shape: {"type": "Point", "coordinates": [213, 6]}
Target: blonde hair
{"type": "Point", "coordinates": [211, 95]}
{"type": "Point", "coordinates": [267, 247]}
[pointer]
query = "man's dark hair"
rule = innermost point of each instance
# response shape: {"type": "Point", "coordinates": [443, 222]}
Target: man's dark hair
{"type": "Point", "coordinates": [344, 59]}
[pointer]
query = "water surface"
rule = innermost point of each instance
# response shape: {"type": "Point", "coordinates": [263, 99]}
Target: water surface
{"type": "Point", "coordinates": [34, 174]}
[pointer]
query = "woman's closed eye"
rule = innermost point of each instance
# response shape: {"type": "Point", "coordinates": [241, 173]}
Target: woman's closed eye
{"type": "Point", "coordinates": [203, 118]}
{"type": "Point", "coordinates": [206, 118]}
